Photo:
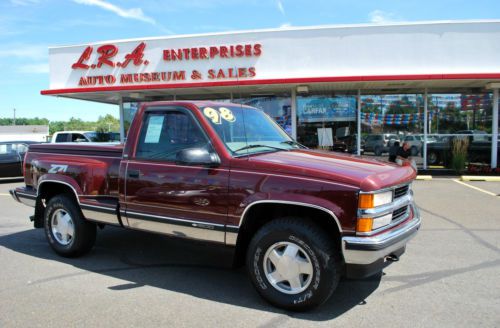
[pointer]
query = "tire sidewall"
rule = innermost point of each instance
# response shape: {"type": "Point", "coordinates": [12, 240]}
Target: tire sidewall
{"type": "Point", "coordinates": [317, 291]}
{"type": "Point", "coordinates": [62, 202]}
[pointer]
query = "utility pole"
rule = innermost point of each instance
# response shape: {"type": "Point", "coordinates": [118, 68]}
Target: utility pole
{"type": "Point", "coordinates": [14, 122]}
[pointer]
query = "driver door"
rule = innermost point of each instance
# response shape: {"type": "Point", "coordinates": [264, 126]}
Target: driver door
{"type": "Point", "coordinates": [163, 196]}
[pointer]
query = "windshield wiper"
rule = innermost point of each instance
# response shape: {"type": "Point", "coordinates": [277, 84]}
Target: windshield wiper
{"type": "Point", "coordinates": [293, 143]}
{"type": "Point", "coordinates": [258, 146]}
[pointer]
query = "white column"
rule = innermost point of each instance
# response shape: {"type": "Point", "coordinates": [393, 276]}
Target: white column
{"type": "Point", "coordinates": [294, 112]}
{"type": "Point", "coordinates": [494, 130]}
{"type": "Point", "coordinates": [122, 122]}
{"type": "Point", "coordinates": [358, 112]}
{"type": "Point", "coordinates": [425, 128]}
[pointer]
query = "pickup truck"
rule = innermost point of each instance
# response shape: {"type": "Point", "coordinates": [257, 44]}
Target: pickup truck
{"type": "Point", "coordinates": [224, 173]}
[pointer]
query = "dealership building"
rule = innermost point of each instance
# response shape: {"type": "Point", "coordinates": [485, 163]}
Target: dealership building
{"type": "Point", "coordinates": [352, 85]}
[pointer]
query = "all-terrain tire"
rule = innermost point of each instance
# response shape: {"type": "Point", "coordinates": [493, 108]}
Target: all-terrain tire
{"type": "Point", "coordinates": [314, 246]}
{"type": "Point", "coordinates": [67, 231]}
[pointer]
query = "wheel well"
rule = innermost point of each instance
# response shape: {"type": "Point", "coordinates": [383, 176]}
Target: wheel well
{"type": "Point", "coordinates": [46, 191]}
{"type": "Point", "coordinates": [260, 214]}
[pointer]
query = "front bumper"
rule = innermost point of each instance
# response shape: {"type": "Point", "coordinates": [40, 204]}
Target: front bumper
{"type": "Point", "coordinates": [365, 256]}
{"type": "Point", "coordinates": [24, 195]}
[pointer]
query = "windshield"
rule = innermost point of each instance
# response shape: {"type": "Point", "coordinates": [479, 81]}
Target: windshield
{"type": "Point", "coordinates": [247, 131]}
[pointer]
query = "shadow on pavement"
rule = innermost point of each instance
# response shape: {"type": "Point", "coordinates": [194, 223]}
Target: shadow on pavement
{"type": "Point", "coordinates": [200, 270]}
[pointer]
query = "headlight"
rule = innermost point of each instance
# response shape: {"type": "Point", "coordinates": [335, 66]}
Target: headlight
{"type": "Point", "coordinates": [367, 201]}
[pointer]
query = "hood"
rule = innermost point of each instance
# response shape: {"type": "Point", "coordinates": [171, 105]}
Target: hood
{"type": "Point", "coordinates": [365, 173]}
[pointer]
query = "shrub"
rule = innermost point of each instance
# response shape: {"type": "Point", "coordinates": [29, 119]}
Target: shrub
{"type": "Point", "coordinates": [459, 154]}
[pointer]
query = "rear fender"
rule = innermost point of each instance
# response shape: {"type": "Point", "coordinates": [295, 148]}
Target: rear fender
{"type": "Point", "coordinates": [61, 179]}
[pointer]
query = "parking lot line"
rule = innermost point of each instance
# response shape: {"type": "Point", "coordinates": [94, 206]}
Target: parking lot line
{"type": "Point", "coordinates": [476, 188]}
{"type": "Point", "coordinates": [1, 194]}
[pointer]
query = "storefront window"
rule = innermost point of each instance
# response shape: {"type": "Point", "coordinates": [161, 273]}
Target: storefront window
{"type": "Point", "coordinates": [327, 122]}
{"type": "Point", "coordinates": [389, 121]}
{"type": "Point", "coordinates": [460, 127]}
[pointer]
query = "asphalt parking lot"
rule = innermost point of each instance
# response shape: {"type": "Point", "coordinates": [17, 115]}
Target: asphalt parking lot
{"type": "Point", "coordinates": [449, 276]}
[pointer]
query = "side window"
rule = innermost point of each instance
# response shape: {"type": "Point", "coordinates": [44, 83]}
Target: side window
{"type": "Point", "coordinates": [78, 137]}
{"type": "Point", "coordinates": [62, 137]}
{"type": "Point", "coordinates": [163, 135]}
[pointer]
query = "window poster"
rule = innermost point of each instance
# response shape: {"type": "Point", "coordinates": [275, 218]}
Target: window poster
{"type": "Point", "coordinates": [326, 109]}
{"type": "Point", "coordinates": [153, 132]}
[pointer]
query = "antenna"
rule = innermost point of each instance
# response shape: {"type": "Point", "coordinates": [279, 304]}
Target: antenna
{"type": "Point", "coordinates": [14, 122]}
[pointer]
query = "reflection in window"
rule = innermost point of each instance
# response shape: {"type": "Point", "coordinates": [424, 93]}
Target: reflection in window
{"type": "Point", "coordinates": [165, 134]}
{"type": "Point", "coordinates": [327, 122]}
{"type": "Point", "coordinates": [449, 113]}
{"type": "Point", "coordinates": [279, 108]}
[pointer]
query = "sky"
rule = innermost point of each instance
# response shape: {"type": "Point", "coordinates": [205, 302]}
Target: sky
{"type": "Point", "coordinates": [29, 27]}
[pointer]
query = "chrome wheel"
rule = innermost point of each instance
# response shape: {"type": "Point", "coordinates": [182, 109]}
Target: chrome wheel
{"type": "Point", "coordinates": [288, 268]}
{"type": "Point", "coordinates": [63, 228]}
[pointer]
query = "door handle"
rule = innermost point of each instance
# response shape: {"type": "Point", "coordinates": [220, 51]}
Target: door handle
{"type": "Point", "coordinates": [133, 173]}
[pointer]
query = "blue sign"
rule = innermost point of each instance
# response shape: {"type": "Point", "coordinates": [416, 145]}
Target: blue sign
{"type": "Point", "coordinates": [326, 109]}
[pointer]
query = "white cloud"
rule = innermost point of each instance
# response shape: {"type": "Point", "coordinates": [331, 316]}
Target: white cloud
{"type": "Point", "coordinates": [285, 25]}
{"type": "Point", "coordinates": [380, 17]}
{"type": "Point", "coordinates": [40, 68]}
{"type": "Point", "coordinates": [280, 7]}
{"type": "Point", "coordinates": [33, 52]}
{"type": "Point", "coordinates": [24, 2]}
{"type": "Point", "coordinates": [132, 13]}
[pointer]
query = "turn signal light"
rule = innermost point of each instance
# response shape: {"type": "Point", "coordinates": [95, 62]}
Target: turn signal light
{"type": "Point", "coordinates": [366, 201]}
{"type": "Point", "coordinates": [364, 225]}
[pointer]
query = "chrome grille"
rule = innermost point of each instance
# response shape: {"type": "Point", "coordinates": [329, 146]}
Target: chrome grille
{"type": "Point", "coordinates": [401, 191]}
{"type": "Point", "coordinates": [399, 213]}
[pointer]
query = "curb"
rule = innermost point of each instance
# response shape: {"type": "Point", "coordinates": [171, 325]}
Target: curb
{"type": "Point", "coordinates": [424, 177]}
{"type": "Point", "coordinates": [479, 178]}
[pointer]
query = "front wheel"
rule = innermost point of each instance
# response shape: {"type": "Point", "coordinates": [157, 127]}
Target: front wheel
{"type": "Point", "coordinates": [67, 231]}
{"type": "Point", "coordinates": [293, 264]}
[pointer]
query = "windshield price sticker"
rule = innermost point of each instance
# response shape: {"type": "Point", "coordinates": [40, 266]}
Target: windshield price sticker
{"type": "Point", "coordinates": [216, 116]}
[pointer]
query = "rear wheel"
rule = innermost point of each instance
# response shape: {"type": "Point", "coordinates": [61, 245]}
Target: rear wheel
{"type": "Point", "coordinates": [67, 231]}
{"type": "Point", "coordinates": [433, 158]}
{"type": "Point", "coordinates": [293, 264]}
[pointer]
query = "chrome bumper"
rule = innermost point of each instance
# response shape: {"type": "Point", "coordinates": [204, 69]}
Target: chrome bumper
{"type": "Point", "coordinates": [367, 250]}
{"type": "Point", "coordinates": [26, 196]}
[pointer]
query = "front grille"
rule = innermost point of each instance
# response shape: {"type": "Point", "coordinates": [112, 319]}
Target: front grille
{"type": "Point", "coordinates": [399, 213]}
{"type": "Point", "coordinates": [401, 191]}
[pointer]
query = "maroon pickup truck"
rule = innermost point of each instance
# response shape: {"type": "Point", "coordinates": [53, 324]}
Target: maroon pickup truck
{"type": "Point", "coordinates": [228, 174]}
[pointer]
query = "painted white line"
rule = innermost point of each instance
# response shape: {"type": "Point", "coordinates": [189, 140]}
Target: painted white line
{"type": "Point", "coordinates": [4, 194]}
{"type": "Point", "coordinates": [476, 188]}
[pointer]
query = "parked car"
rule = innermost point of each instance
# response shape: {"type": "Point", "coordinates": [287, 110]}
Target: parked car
{"type": "Point", "coordinates": [380, 143]}
{"type": "Point", "coordinates": [228, 174]}
{"type": "Point", "coordinates": [415, 142]}
{"type": "Point", "coordinates": [84, 136]}
{"type": "Point", "coordinates": [440, 152]}
{"type": "Point", "coordinates": [347, 144]}
{"type": "Point", "coordinates": [12, 157]}
{"type": "Point", "coordinates": [475, 135]}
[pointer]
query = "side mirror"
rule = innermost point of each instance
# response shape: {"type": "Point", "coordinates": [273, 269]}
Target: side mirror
{"type": "Point", "coordinates": [197, 156]}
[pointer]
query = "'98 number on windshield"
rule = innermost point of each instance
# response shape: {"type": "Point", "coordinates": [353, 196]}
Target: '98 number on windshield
{"type": "Point", "coordinates": [216, 116]}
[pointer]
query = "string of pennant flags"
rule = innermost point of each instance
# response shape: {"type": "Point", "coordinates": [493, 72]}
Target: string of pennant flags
{"type": "Point", "coordinates": [402, 119]}
{"type": "Point", "coordinates": [394, 119]}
